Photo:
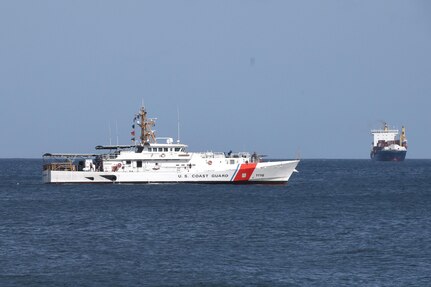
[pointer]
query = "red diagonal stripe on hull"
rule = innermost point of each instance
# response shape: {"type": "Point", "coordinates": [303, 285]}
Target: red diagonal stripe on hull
{"type": "Point", "coordinates": [245, 172]}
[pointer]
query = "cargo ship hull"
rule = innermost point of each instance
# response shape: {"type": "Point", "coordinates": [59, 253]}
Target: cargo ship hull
{"type": "Point", "coordinates": [388, 155]}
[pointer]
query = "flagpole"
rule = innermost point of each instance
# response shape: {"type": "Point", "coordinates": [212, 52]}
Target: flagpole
{"type": "Point", "coordinates": [110, 133]}
{"type": "Point", "coordinates": [133, 131]}
{"type": "Point", "coordinates": [178, 119]}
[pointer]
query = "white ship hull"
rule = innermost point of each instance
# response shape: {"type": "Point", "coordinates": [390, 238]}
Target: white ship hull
{"type": "Point", "coordinates": [262, 172]}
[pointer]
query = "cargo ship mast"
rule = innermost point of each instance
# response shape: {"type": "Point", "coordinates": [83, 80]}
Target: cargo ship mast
{"type": "Point", "coordinates": [403, 139]}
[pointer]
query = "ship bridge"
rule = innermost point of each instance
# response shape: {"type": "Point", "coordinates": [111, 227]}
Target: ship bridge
{"type": "Point", "coordinates": [384, 135]}
{"type": "Point", "coordinates": [388, 136]}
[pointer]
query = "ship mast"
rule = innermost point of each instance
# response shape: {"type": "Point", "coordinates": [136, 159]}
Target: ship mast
{"type": "Point", "coordinates": [403, 136]}
{"type": "Point", "coordinates": [147, 134]}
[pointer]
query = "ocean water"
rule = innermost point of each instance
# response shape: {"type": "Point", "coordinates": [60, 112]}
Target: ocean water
{"type": "Point", "coordinates": [337, 223]}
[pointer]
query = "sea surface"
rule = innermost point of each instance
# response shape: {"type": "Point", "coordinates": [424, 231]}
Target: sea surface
{"type": "Point", "coordinates": [337, 223]}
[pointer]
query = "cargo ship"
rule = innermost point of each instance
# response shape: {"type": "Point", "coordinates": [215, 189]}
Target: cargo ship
{"type": "Point", "coordinates": [151, 159]}
{"type": "Point", "coordinates": [386, 146]}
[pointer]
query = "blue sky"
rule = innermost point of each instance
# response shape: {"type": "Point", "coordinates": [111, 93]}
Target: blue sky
{"type": "Point", "coordinates": [276, 77]}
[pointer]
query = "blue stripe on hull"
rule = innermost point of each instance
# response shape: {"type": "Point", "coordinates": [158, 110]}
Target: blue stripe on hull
{"type": "Point", "coordinates": [388, 155]}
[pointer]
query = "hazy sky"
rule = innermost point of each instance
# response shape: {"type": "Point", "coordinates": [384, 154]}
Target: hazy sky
{"type": "Point", "coordinates": [276, 77]}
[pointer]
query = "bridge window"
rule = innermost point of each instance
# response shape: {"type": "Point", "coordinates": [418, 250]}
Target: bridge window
{"type": "Point", "coordinates": [177, 149]}
{"type": "Point", "coordinates": [139, 163]}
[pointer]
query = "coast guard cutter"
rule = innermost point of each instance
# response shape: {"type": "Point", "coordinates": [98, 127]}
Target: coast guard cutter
{"type": "Point", "coordinates": [160, 160]}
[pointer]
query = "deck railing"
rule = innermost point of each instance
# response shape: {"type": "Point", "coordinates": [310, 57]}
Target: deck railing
{"type": "Point", "coordinates": [67, 166]}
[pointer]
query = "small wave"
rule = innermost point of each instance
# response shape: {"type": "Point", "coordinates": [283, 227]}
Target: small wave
{"type": "Point", "coordinates": [355, 251]}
